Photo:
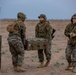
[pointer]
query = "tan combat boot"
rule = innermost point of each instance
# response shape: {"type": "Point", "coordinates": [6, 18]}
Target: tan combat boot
{"type": "Point", "coordinates": [41, 65]}
{"type": "Point", "coordinates": [68, 67]}
{"type": "Point", "coordinates": [74, 70]}
{"type": "Point", "coordinates": [47, 63]}
{"type": "Point", "coordinates": [20, 69]}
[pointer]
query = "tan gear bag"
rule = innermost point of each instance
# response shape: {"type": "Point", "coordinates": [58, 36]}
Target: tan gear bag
{"type": "Point", "coordinates": [10, 28]}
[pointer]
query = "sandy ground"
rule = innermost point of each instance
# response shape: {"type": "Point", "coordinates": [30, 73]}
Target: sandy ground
{"type": "Point", "coordinates": [58, 62]}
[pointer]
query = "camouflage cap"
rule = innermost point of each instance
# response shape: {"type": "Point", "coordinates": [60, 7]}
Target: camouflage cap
{"type": "Point", "coordinates": [21, 16]}
{"type": "Point", "coordinates": [43, 16]}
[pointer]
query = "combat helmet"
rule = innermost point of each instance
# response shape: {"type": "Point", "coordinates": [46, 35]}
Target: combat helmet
{"type": "Point", "coordinates": [73, 17]}
{"type": "Point", "coordinates": [21, 16]}
{"type": "Point", "coordinates": [43, 16]}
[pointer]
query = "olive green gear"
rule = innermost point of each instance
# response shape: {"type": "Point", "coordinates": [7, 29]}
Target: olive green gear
{"type": "Point", "coordinates": [21, 16]}
{"type": "Point", "coordinates": [43, 16]}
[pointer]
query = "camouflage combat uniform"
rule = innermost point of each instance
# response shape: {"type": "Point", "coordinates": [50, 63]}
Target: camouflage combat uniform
{"type": "Point", "coordinates": [15, 42]}
{"type": "Point", "coordinates": [71, 45]}
{"type": "Point", "coordinates": [43, 30]}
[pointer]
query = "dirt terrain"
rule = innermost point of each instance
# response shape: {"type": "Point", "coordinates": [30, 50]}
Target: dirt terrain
{"type": "Point", "coordinates": [58, 62]}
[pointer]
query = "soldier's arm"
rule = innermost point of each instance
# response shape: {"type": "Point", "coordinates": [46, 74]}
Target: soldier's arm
{"type": "Point", "coordinates": [67, 31]}
{"type": "Point", "coordinates": [24, 31]}
{"type": "Point", "coordinates": [48, 31]}
{"type": "Point", "coordinates": [36, 31]}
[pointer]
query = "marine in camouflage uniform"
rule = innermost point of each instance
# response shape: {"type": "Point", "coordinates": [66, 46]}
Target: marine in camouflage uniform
{"type": "Point", "coordinates": [70, 32]}
{"type": "Point", "coordinates": [44, 30]}
{"type": "Point", "coordinates": [15, 42]}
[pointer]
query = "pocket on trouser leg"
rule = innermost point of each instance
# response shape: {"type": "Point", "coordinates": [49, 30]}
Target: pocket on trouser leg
{"type": "Point", "coordinates": [19, 47]}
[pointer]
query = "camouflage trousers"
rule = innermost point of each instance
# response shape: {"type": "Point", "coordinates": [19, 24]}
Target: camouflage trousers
{"type": "Point", "coordinates": [47, 53]}
{"type": "Point", "coordinates": [71, 54]}
{"type": "Point", "coordinates": [17, 50]}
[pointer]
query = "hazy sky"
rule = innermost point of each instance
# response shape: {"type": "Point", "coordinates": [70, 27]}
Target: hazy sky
{"type": "Point", "coordinates": [54, 9]}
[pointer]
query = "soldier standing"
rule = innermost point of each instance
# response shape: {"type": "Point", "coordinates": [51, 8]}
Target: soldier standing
{"type": "Point", "coordinates": [44, 30]}
{"type": "Point", "coordinates": [70, 32]}
{"type": "Point", "coordinates": [15, 41]}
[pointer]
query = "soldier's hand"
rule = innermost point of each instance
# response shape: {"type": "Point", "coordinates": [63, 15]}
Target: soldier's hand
{"type": "Point", "coordinates": [72, 35]}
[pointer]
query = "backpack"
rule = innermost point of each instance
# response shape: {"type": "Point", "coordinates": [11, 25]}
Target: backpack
{"type": "Point", "coordinates": [10, 27]}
